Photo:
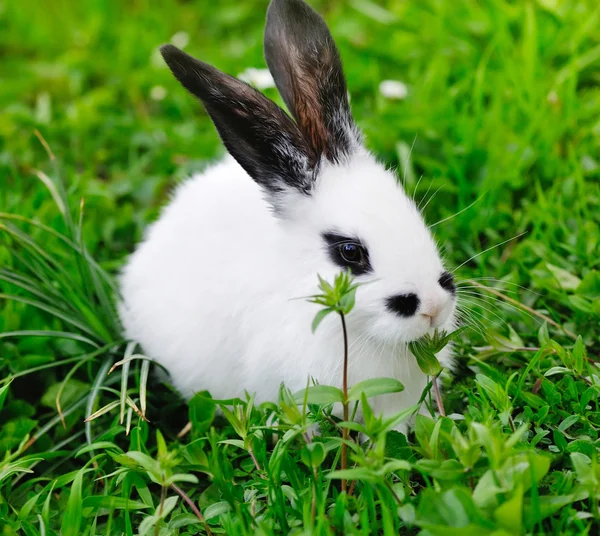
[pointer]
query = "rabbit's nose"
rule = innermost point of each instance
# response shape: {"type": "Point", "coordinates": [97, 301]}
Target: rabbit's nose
{"type": "Point", "coordinates": [433, 311]}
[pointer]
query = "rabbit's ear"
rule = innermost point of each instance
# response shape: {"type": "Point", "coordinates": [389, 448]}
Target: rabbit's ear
{"type": "Point", "coordinates": [257, 133]}
{"type": "Point", "coordinates": [307, 69]}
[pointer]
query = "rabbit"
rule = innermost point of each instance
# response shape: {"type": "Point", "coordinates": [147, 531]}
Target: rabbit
{"type": "Point", "coordinates": [210, 293]}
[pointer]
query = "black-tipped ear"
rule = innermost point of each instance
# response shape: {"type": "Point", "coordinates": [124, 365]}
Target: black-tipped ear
{"type": "Point", "coordinates": [306, 67]}
{"type": "Point", "coordinates": [257, 133]}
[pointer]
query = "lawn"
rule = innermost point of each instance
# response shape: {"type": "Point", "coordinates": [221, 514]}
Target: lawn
{"type": "Point", "coordinates": [497, 138]}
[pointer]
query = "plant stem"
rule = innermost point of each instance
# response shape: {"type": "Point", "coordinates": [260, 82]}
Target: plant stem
{"type": "Point", "coordinates": [345, 431]}
{"type": "Point", "coordinates": [511, 423]}
{"type": "Point", "coordinates": [256, 464]}
{"type": "Point", "coordinates": [391, 490]}
{"type": "Point", "coordinates": [313, 505]}
{"type": "Point", "coordinates": [438, 396]}
{"type": "Point", "coordinates": [163, 496]}
{"type": "Point", "coordinates": [194, 508]}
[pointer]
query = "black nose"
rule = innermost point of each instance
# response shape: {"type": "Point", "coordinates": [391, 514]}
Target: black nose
{"type": "Point", "coordinates": [404, 304]}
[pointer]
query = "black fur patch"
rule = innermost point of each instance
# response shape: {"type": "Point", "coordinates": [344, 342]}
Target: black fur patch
{"type": "Point", "coordinates": [335, 242]}
{"type": "Point", "coordinates": [404, 305]}
{"type": "Point", "coordinates": [257, 133]}
{"type": "Point", "coordinates": [307, 70]}
{"type": "Point", "coordinates": [446, 281]}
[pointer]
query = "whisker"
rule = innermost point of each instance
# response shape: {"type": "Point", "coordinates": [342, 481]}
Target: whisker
{"type": "Point", "coordinates": [490, 311]}
{"type": "Point", "coordinates": [489, 249]}
{"type": "Point", "coordinates": [414, 194]}
{"type": "Point", "coordinates": [465, 288]}
{"type": "Point", "coordinates": [501, 281]}
{"type": "Point", "coordinates": [424, 197]}
{"type": "Point", "coordinates": [407, 162]}
{"type": "Point", "coordinates": [517, 306]}
{"type": "Point", "coordinates": [432, 196]}
{"type": "Point", "coordinates": [467, 318]}
{"type": "Point", "coordinates": [475, 321]}
{"type": "Point", "coordinates": [461, 210]}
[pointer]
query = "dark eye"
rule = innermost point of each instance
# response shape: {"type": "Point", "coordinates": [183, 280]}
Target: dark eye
{"type": "Point", "coordinates": [352, 253]}
{"type": "Point", "coordinates": [446, 281]}
{"type": "Point", "coordinates": [348, 252]}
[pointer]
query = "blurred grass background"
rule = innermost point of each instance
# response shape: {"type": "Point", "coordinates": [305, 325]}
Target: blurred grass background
{"type": "Point", "coordinates": [503, 109]}
{"type": "Point", "coordinates": [503, 99]}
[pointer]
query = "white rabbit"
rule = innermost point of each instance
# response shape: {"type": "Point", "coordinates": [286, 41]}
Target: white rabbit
{"type": "Point", "coordinates": [210, 292]}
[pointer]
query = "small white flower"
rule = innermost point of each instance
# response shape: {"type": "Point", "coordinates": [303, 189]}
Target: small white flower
{"type": "Point", "coordinates": [158, 93]}
{"type": "Point", "coordinates": [393, 89]}
{"type": "Point", "coordinates": [180, 39]}
{"type": "Point", "coordinates": [553, 97]}
{"type": "Point", "coordinates": [259, 78]}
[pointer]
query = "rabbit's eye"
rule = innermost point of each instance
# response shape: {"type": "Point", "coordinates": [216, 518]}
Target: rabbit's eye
{"type": "Point", "coordinates": [348, 252]}
{"type": "Point", "coordinates": [352, 253]}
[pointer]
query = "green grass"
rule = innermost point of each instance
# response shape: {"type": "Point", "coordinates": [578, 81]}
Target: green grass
{"type": "Point", "coordinates": [503, 114]}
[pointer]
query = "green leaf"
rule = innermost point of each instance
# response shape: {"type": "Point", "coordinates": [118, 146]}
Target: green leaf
{"type": "Point", "coordinates": [545, 507]}
{"type": "Point", "coordinates": [313, 454]}
{"type": "Point", "coordinates": [501, 343]}
{"type": "Point", "coordinates": [427, 361]}
{"type": "Point", "coordinates": [73, 514]}
{"type": "Point", "coordinates": [581, 463]}
{"type": "Point", "coordinates": [73, 390]}
{"type": "Point", "coordinates": [444, 470]}
{"type": "Point", "coordinates": [146, 462]}
{"type": "Point", "coordinates": [396, 465]}
{"type": "Point", "coordinates": [234, 421]}
{"type": "Point", "coordinates": [98, 445]}
{"type": "Point", "coordinates": [359, 473]}
{"type": "Point", "coordinates": [320, 395]}
{"type": "Point", "coordinates": [168, 505]}
{"type": "Point", "coordinates": [391, 422]}
{"type": "Point", "coordinates": [319, 317]}
{"type": "Point", "coordinates": [161, 445]}
{"type": "Point", "coordinates": [526, 468]}
{"type": "Point", "coordinates": [111, 502]}
{"type": "Point", "coordinates": [3, 393]}
{"type": "Point", "coordinates": [19, 466]}
{"type": "Point", "coordinates": [183, 520]}
{"type": "Point", "coordinates": [565, 279]}
{"type": "Point", "coordinates": [181, 477]}
{"type": "Point", "coordinates": [374, 387]}
{"type": "Point", "coordinates": [582, 304]}
{"type": "Point", "coordinates": [590, 285]}
{"type": "Point", "coordinates": [201, 412]}
{"type": "Point", "coordinates": [494, 391]}
{"type": "Point", "coordinates": [442, 339]}
{"type": "Point", "coordinates": [452, 510]}
{"type": "Point", "coordinates": [568, 422]}
{"type": "Point", "coordinates": [557, 370]}
{"type": "Point", "coordinates": [543, 335]}
{"type": "Point", "coordinates": [235, 442]}
{"type": "Point", "coordinates": [216, 509]}
{"type": "Point", "coordinates": [578, 354]}
{"type": "Point", "coordinates": [510, 513]}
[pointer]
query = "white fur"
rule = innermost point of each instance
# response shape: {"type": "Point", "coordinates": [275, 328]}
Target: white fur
{"type": "Point", "coordinates": [210, 293]}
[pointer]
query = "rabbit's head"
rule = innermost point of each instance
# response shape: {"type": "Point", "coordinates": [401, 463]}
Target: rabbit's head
{"type": "Point", "coordinates": [342, 209]}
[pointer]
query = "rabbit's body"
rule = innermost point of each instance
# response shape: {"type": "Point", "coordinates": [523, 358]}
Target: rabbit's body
{"type": "Point", "coordinates": [224, 272]}
{"type": "Point", "coordinates": [216, 291]}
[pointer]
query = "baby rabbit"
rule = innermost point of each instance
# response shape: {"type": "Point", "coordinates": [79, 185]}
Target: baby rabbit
{"type": "Point", "coordinates": [210, 292]}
